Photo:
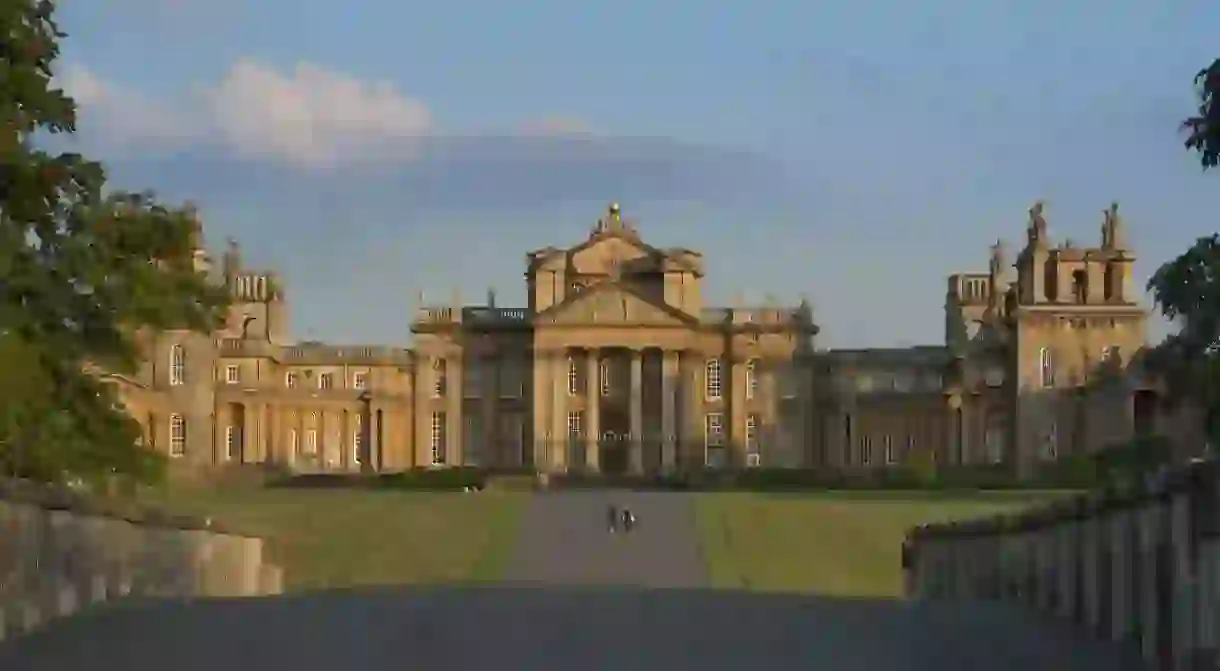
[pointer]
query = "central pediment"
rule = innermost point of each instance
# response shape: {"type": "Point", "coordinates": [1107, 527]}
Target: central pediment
{"type": "Point", "coordinates": [611, 304]}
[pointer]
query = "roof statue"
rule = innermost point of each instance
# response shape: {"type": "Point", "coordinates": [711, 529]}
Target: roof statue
{"type": "Point", "coordinates": [232, 258]}
{"type": "Point", "coordinates": [1112, 233]}
{"type": "Point", "coordinates": [613, 222]}
{"type": "Point", "coordinates": [997, 258]}
{"type": "Point", "coordinates": [1037, 222]}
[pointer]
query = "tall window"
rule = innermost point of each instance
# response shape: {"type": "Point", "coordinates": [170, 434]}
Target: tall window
{"type": "Point", "coordinates": [439, 372]}
{"type": "Point", "coordinates": [177, 365]}
{"type": "Point", "coordinates": [472, 439]}
{"type": "Point", "coordinates": [472, 377]}
{"type": "Point", "coordinates": [752, 433]}
{"type": "Point", "coordinates": [604, 373]}
{"type": "Point", "coordinates": [510, 379]}
{"type": "Point", "coordinates": [294, 441]}
{"type": "Point", "coordinates": [713, 387]}
{"type": "Point", "coordinates": [847, 440]}
{"type": "Point", "coordinates": [357, 437]}
{"type": "Point", "coordinates": [311, 441]}
{"type": "Point", "coordinates": [1046, 368]}
{"type": "Point", "coordinates": [713, 426]}
{"type": "Point", "coordinates": [751, 378]}
{"type": "Point", "coordinates": [232, 441]}
{"type": "Point", "coordinates": [866, 450]}
{"type": "Point", "coordinates": [891, 456]}
{"type": "Point", "coordinates": [326, 381]}
{"type": "Point", "coordinates": [232, 374]}
{"type": "Point", "coordinates": [573, 376]}
{"type": "Point", "coordinates": [438, 438]}
{"type": "Point", "coordinates": [290, 380]}
{"type": "Point", "coordinates": [360, 380]}
{"type": "Point", "coordinates": [177, 436]}
{"type": "Point", "coordinates": [575, 426]}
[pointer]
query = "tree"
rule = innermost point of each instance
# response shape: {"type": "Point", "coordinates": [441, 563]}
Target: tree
{"type": "Point", "coordinates": [83, 273]}
{"type": "Point", "coordinates": [1187, 289]}
{"type": "Point", "coordinates": [1204, 129]}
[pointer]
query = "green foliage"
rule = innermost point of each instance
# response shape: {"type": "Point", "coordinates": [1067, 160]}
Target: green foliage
{"type": "Point", "coordinates": [1203, 130]}
{"type": "Point", "coordinates": [83, 271]}
{"type": "Point", "coordinates": [1187, 289]}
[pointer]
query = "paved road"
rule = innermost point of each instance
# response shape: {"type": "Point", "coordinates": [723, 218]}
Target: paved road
{"type": "Point", "coordinates": [564, 628]}
{"type": "Point", "coordinates": [564, 541]}
{"type": "Point", "coordinates": [579, 599]}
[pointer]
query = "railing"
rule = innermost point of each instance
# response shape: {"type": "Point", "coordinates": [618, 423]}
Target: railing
{"type": "Point", "coordinates": [1140, 566]}
{"type": "Point", "coordinates": [314, 352]}
{"type": "Point", "coordinates": [743, 316]}
{"type": "Point", "coordinates": [483, 315]}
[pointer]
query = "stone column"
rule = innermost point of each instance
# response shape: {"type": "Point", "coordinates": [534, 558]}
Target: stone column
{"type": "Point", "coordinates": [490, 450]}
{"type": "Point", "coordinates": [636, 463]}
{"type": "Point", "coordinates": [454, 397]}
{"type": "Point", "coordinates": [669, 379]}
{"type": "Point", "coordinates": [559, 417]}
{"type": "Point", "coordinates": [592, 412]}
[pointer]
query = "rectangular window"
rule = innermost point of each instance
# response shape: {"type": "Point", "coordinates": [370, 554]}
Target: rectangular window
{"type": "Point", "coordinates": [439, 435]}
{"type": "Point", "coordinates": [753, 460]}
{"type": "Point", "coordinates": [866, 450]}
{"type": "Point", "coordinates": [290, 380]}
{"type": "Point", "coordinates": [713, 384]}
{"type": "Point", "coordinates": [326, 381]}
{"type": "Point", "coordinates": [294, 441]}
{"type": "Point", "coordinates": [510, 379]}
{"type": "Point", "coordinates": [232, 374]}
{"type": "Point", "coordinates": [713, 425]}
{"type": "Point", "coordinates": [311, 441]}
{"type": "Point", "coordinates": [575, 424]}
{"type": "Point", "coordinates": [573, 376]}
{"type": "Point", "coordinates": [177, 436]}
{"type": "Point", "coordinates": [177, 365]}
{"type": "Point", "coordinates": [1046, 368]}
{"type": "Point", "coordinates": [360, 380]}
{"type": "Point", "coordinates": [439, 378]}
{"type": "Point", "coordinates": [751, 378]}
{"type": "Point", "coordinates": [357, 438]}
{"type": "Point", "coordinates": [472, 378]}
{"type": "Point", "coordinates": [891, 456]}
{"type": "Point", "coordinates": [752, 433]}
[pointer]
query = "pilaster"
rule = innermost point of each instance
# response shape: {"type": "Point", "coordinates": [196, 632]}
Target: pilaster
{"type": "Point", "coordinates": [669, 388]}
{"type": "Point", "coordinates": [636, 455]}
{"type": "Point", "coordinates": [593, 411]}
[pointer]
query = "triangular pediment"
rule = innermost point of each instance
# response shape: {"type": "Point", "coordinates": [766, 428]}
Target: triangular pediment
{"type": "Point", "coordinates": [611, 304]}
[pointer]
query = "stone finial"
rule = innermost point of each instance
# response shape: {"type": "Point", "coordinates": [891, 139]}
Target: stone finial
{"type": "Point", "coordinates": [491, 297]}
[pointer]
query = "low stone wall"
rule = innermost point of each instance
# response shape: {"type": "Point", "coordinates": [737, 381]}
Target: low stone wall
{"type": "Point", "coordinates": [1141, 565]}
{"type": "Point", "coordinates": [60, 553]}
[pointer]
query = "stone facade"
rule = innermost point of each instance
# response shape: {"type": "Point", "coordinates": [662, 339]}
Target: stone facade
{"type": "Point", "coordinates": [617, 365]}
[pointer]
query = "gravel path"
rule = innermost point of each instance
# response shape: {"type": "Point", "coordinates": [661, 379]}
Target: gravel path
{"type": "Point", "coordinates": [564, 541]}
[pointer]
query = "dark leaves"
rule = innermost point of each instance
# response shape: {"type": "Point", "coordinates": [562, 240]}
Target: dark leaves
{"type": "Point", "coordinates": [81, 273]}
{"type": "Point", "coordinates": [1203, 130]}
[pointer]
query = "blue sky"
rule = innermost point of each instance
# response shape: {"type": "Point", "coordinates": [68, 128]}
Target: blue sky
{"type": "Point", "coordinates": [854, 152]}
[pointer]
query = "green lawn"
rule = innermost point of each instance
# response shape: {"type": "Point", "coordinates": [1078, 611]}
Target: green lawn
{"type": "Point", "coordinates": [837, 544]}
{"type": "Point", "coordinates": [346, 538]}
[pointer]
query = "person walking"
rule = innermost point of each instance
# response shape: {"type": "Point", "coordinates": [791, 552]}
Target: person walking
{"type": "Point", "coordinates": [612, 517]}
{"type": "Point", "coordinates": [628, 520]}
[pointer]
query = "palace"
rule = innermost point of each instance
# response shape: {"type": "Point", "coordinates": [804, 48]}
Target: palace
{"type": "Point", "coordinates": [616, 365]}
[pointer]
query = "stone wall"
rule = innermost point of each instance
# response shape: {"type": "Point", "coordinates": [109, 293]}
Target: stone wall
{"type": "Point", "coordinates": [60, 553]}
{"type": "Point", "coordinates": [1140, 566]}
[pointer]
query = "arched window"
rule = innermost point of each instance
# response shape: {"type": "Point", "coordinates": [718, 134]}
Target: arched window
{"type": "Point", "coordinates": [177, 365]}
{"type": "Point", "coordinates": [713, 385]}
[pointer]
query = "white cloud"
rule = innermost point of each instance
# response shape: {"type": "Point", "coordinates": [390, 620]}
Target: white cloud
{"type": "Point", "coordinates": [308, 116]}
{"type": "Point", "coordinates": [312, 115]}
{"type": "Point", "coordinates": [122, 115]}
